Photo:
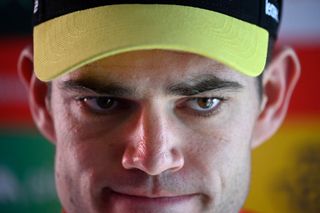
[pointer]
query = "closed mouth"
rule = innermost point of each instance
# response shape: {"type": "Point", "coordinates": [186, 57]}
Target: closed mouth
{"type": "Point", "coordinates": [140, 199]}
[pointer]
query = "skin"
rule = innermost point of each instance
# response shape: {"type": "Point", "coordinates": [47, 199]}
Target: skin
{"type": "Point", "coordinates": [130, 136]}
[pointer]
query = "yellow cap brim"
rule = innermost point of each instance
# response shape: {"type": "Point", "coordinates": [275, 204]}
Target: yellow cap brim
{"type": "Point", "coordinates": [68, 42]}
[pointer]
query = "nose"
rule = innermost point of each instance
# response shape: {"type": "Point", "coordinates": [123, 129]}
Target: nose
{"type": "Point", "coordinates": [152, 146]}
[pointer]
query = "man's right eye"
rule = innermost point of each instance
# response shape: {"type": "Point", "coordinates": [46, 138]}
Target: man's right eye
{"type": "Point", "coordinates": [100, 104]}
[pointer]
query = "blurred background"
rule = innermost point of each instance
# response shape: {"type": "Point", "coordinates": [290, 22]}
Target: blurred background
{"type": "Point", "coordinates": [286, 170]}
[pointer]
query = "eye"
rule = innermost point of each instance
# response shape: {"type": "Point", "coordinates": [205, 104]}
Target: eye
{"type": "Point", "coordinates": [203, 104]}
{"type": "Point", "coordinates": [100, 104]}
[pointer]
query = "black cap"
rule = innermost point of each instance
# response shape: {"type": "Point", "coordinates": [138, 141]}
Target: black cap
{"type": "Point", "coordinates": [263, 13]}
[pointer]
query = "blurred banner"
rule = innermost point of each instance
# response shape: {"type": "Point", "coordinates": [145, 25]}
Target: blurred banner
{"type": "Point", "coordinates": [26, 158]}
{"type": "Point", "coordinates": [286, 170]}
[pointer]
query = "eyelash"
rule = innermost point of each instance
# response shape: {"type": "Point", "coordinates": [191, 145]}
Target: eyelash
{"type": "Point", "coordinates": [205, 114]}
{"type": "Point", "coordinates": [119, 104]}
{"type": "Point", "coordinates": [123, 104]}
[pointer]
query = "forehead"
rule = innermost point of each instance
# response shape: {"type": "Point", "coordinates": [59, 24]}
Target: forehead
{"type": "Point", "coordinates": [154, 67]}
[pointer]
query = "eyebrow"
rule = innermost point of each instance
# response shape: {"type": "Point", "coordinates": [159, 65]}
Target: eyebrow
{"type": "Point", "coordinates": [202, 84]}
{"type": "Point", "coordinates": [193, 86]}
{"type": "Point", "coordinates": [83, 85]}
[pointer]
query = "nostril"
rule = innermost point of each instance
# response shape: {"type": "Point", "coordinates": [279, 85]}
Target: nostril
{"type": "Point", "coordinates": [130, 159]}
{"type": "Point", "coordinates": [177, 160]}
{"type": "Point", "coordinates": [152, 162]}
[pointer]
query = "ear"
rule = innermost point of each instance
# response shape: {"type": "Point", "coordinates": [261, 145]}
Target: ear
{"type": "Point", "coordinates": [279, 81]}
{"type": "Point", "coordinates": [37, 91]}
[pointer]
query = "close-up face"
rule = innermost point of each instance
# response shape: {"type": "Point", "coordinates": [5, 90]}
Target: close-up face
{"type": "Point", "coordinates": [153, 131]}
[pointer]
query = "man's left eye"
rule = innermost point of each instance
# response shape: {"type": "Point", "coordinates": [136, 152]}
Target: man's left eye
{"type": "Point", "coordinates": [203, 104]}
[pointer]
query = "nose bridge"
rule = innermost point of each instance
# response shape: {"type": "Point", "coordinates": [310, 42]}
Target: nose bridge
{"type": "Point", "coordinates": [154, 128]}
{"type": "Point", "coordinates": [152, 148]}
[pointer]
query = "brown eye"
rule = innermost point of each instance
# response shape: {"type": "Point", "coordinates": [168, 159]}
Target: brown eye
{"type": "Point", "coordinates": [203, 104]}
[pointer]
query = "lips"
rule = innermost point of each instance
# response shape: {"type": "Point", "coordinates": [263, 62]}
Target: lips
{"type": "Point", "coordinates": [153, 198]}
{"type": "Point", "coordinates": [135, 199]}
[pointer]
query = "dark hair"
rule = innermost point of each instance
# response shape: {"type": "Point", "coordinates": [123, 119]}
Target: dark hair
{"type": "Point", "coordinates": [268, 61]}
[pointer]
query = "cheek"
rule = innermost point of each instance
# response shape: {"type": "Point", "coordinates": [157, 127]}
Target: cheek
{"type": "Point", "coordinates": [221, 148]}
{"type": "Point", "coordinates": [84, 162]}
{"type": "Point", "coordinates": [80, 149]}
{"type": "Point", "coordinates": [224, 146]}
{"type": "Point", "coordinates": [220, 161]}
{"type": "Point", "coordinates": [82, 146]}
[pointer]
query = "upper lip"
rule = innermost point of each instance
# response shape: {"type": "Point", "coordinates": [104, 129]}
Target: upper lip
{"type": "Point", "coordinates": [153, 196]}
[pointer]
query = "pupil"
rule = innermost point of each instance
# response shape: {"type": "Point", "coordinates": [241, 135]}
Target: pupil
{"type": "Point", "coordinates": [205, 102]}
{"type": "Point", "coordinates": [104, 102]}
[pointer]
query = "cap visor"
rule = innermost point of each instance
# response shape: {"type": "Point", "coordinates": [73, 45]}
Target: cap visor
{"type": "Point", "coordinates": [66, 43]}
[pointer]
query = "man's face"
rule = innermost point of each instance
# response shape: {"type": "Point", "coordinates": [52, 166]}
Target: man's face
{"type": "Point", "coordinates": [153, 131]}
